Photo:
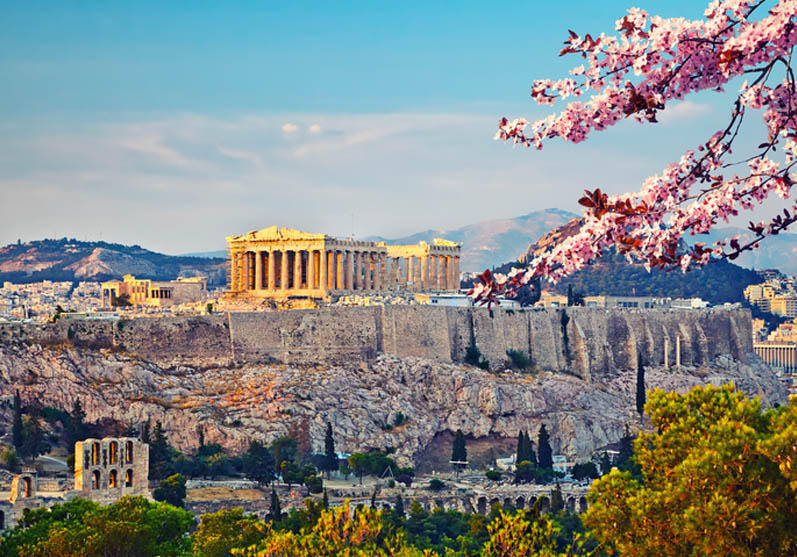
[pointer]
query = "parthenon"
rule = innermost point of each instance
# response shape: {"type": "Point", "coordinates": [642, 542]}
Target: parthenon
{"type": "Point", "coordinates": [281, 262]}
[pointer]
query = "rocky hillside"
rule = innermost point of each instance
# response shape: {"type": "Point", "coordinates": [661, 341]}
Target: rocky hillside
{"type": "Point", "coordinates": [237, 403]}
{"type": "Point", "coordinates": [75, 260]}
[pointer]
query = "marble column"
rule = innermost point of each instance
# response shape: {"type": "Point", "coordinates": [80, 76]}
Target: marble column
{"type": "Point", "coordinates": [258, 270]}
{"type": "Point", "coordinates": [349, 270]}
{"type": "Point", "coordinates": [272, 270]}
{"type": "Point", "coordinates": [339, 276]}
{"type": "Point", "coordinates": [378, 271]}
{"type": "Point", "coordinates": [456, 273]}
{"type": "Point", "coordinates": [424, 272]}
{"type": "Point", "coordinates": [311, 269]}
{"type": "Point", "coordinates": [283, 270]}
{"type": "Point", "coordinates": [233, 271]}
{"type": "Point", "coordinates": [366, 255]}
{"type": "Point", "coordinates": [322, 270]}
{"type": "Point", "coordinates": [438, 272]}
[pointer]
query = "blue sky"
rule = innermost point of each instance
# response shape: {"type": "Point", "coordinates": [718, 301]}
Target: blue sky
{"type": "Point", "coordinates": [175, 124]}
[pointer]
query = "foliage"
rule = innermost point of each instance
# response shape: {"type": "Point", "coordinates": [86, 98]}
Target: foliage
{"type": "Point", "coordinates": [519, 359]}
{"type": "Point", "coordinates": [563, 321]}
{"type": "Point", "coordinates": [640, 385]}
{"type": "Point", "coordinates": [274, 509]}
{"type": "Point", "coordinates": [574, 298]}
{"type": "Point", "coordinates": [220, 532]}
{"type": "Point", "coordinates": [717, 480]}
{"type": "Point", "coordinates": [525, 449]}
{"type": "Point", "coordinates": [544, 451]}
{"type": "Point", "coordinates": [473, 356]}
{"type": "Point", "coordinates": [17, 434]}
{"type": "Point", "coordinates": [10, 460]}
{"type": "Point", "coordinates": [585, 470]}
{"type": "Point", "coordinates": [330, 463]}
{"type": "Point", "coordinates": [557, 500]}
{"type": "Point", "coordinates": [658, 62]}
{"type": "Point", "coordinates": [436, 485]}
{"type": "Point", "coordinates": [493, 475]}
{"type": "Point", "coordinates": [133, 526]}
{"type": "Point", "coordinates": [524, 471]}
{"type": "Point", "coordinates": [459, 452]}
{"type": "Point", "coordinates": [171, 490]}
{"type": "Point", "coordinates": [76, 425]}
{"type": "Point", "coordinates": [283, 448]}
{"type": "Point", "coordinates": [258, 463]}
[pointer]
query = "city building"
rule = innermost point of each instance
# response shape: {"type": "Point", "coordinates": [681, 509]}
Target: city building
{"type": "Point", "coordinates": [153, 293]}
{"type": "Point", "coordinates": [283, 263]}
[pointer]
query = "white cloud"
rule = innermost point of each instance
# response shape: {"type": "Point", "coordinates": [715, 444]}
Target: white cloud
{"type": "Point", "coordinates": [314, 128]}
{"type": "Point", "coordinates": [686, 110]}
{"type": "Point", "coordinates": [289, 127]}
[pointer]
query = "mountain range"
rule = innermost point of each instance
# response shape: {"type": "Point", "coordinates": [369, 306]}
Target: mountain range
{"type": "Point", "coordinates": [73, 260]}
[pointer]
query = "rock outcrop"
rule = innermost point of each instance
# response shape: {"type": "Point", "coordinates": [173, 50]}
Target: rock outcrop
{"type": "Point", "coordinates": [238, 402]}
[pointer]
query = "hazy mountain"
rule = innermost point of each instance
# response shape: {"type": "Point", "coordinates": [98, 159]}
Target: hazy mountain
{"type": "Point", "coordinates": [75, 260]}
{"type": "Point", "coordinates": [776, 252]}
{"type": "Point", "coordinates": [492, 242]}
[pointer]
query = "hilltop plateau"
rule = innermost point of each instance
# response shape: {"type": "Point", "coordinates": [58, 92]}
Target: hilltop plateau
{"type": "Point", "coordinates": [73, 260]}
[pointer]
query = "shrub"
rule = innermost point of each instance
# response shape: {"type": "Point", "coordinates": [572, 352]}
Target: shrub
{"type": "Point", "coordinates": [436, 485]}
{"type": "Point", "coordinates": [518, 359]}
{"type": "Point", "coordinates": [493, 475]}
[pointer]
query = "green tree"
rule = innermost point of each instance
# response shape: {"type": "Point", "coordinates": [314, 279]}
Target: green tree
{"type": "Point", "coordinates": [284, 449]}
{"type": "Point", "coordinates": [77, 430]}
{"type": "Point", "coordinates": [17, 431]}
{"type": "Point", "coordinates": [171, 490]}
{"type": "Point", "coordinates": [640, 385]}
{"type": "Point", "coordinates": [544, 451]}
{"type": "Point", "coordinates": [274, 510]}
{"type": "Point", "coordinates": [220, 532]}
{"type": "Point", "coordinates": [557, 500]}
{"type": "Point", "coordinates": [291, 473]}
{"type": "Point", "coordinates": [524, 472]}
{"type": "Point", "coordinates": [331, 463]}
{"type": "Point", "coordinates": [258, 463]}
{"type": "Point", "coordinates": [161, 454]}
{"type": "Point", "coordinates": [716, 480]}
{"type": "Point", "coordinates": [606, 463]}
{"type": "Point", "coordinates": [459, 452]}
{"type": "Point", "coordinates": [360, 464]}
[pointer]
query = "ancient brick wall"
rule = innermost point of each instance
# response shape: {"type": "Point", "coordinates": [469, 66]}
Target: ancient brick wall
{"type": "Point", "coordinates": [593, 340]}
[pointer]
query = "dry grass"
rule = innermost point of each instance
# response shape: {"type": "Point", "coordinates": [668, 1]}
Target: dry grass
{"type": "Point", "coordinates": [221, 492]}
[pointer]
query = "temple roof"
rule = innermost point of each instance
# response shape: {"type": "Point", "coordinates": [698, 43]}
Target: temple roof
{"type": "Point", "coordinates": [275, 233]}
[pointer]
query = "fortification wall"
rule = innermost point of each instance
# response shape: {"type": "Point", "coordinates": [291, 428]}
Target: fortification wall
{"type": "Point", "coordinates": [592, 340]}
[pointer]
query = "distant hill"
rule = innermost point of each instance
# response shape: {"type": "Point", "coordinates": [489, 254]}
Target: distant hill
{"type": "Point", "coordinates": [776, 252]}
{"type": "Point", "coordinates": [69, 259]}
{"type": "Point", "coordinates": [612, 275]}
{"type": "Point", "coordinates": [490, 243]}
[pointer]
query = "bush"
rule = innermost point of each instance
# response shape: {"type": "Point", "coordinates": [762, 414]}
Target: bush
{"type": "Point", "coordinates": [391, 483]}
{"type": "Point", "coordinates": [405, 479]}
{"type": "Point", "coordinates": [436, 485]}
{"type": "Point", "coordinates": [473, 356]}
{"type": "Point", "coordinates": [519, 359]}
{"type": "Point", "coordinates": [171, 490]}
{"type": "Point", "coordinates": [493, 475]}
{"type": "Point", "coordinates": [314, 484]}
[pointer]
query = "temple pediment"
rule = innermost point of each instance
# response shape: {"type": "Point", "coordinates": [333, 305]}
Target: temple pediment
{"type": "Point", "coordinates": [274, 233]}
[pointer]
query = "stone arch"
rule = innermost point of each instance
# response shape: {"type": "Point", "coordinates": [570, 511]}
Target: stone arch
{"type": "Point", "coordinates": [507, 504]}
{"type": "Point", "coordinates": [95, 480]}
{"type": "Point", "coordinates": [27, 487]}
{"type": "Point", "coordinates": [494, 501]}
{"type": "Point", "coordinates": [2, 520]}
{"type": "Point", "coordinates": [582, 505]}
{"type": "Point", "coordinates": [129, 452]}
{"type": "Point", "coordinates": [519, 503]}
{"type": "Point", "coordinates": [113, 452]}
{"type": "Point", "coordinates": [481, 505]}
{"type": "Point", "coordinates": [545, 504]}
{"type": "Point", "coordinates": [113, 480]}
{"type": "Point", "coordinates": [95, 453]}
{"type": "Point", "coordinates": [438, 503]}
{"type": "Point", "coordinates": [571, 504]}
{"type": "Point", "coordinates": [129, 477]}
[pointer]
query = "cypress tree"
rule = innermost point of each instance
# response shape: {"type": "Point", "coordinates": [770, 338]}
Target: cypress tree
{"type": "Point", "coordinates": [519, 450]}
{"type": "Point", "coordinates": [530, 450]}
{"type": "Point", "coordinates": [77, 426]}
{"type": "Point", "coordinates": [330, 456]}
{"type": "Point", "coordinates": [17, 429]}
{"type": "Point", "coordinates": [325, 500]}
{"type": "Point", "coordinates": [274, 511]}
{"type": "Point", "coordinates": [398, 510]}
{"type": "Point", "coordinates": [544, 451]}
{"type": "Point", "coordinates": [459, 451]}
{"type": "Point", "coordinates": [557, 500]}
{"type": "Point", "coordinates": [640, 386]}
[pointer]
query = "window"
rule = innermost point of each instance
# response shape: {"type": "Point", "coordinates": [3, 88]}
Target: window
{"type": "Point", "coordinates": [95, 479]}
{"type": "Point", "coordinates": [113, 452]}
{"type": "Point", "coordinates": [26, 492]}
{"type": "Point", "coordinates": [128, 451]}
{"type": "Point", "coordinates": [95, 454]}
{"type": "Point", "coordinates": [112, 479]}
{"type": "Point", "coordinates": [129, 478]}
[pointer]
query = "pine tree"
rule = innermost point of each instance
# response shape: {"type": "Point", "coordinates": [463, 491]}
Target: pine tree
{"type": "Point", "coordinates": [160, 453]}
{"type": "Point", "coordinates": [640, 386]}
{"type": "Point", "coordinates": [520, 451]}
{"type": "Point", "coordinates": [373, 499]}
{"type": "Point", "coordinates": [331, 463]}
{"type": "Point", "coordinates": [258, 463]}
{"type": "Point", "coordinates": [17, 429]}
{"type": "Point", "coordinates": [274, 511]}
{"type": "Point", "coordinates": [398, 509]}
{"type": "Point", "coordinates": [544, 452]}
{"type": "Point", "coordinates": [145, 433]}
{"type": "Point", "coordinates": [532, 457]}
{"type": "Point", "coordinates": [606, 463]}
{"type": "Point", "coordinates": [201, 434]}
{"type": "Point", "coordinates": [325, 500]}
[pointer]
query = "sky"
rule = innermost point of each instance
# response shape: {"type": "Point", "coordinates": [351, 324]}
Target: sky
{"type": "Point", "coordinates": [173, 125]}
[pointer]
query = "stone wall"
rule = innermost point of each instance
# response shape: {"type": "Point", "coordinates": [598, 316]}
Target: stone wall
{"type": "Point", "coordinates": [596, 340]}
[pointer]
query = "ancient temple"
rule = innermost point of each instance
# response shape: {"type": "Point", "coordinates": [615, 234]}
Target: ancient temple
{"type": "Point", "coordinates": [281, 262]}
